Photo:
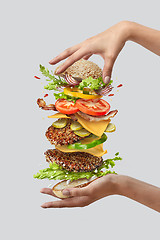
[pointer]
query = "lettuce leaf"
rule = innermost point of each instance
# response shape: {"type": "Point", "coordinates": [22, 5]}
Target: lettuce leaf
{"type": "Point", "coordinates": [55, 172]}
{"type": "Point", "coordinates": [93, 84]}
{"type": "Point", "coordinates": [64, 96]}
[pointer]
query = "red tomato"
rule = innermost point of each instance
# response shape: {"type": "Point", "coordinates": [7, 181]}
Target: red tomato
{"type": "Point", "coordinates": [93, 107]}
{"type": "Point", "coordinates": [66, 107]}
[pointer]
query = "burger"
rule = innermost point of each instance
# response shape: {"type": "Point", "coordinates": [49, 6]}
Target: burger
{"type": "Point", "coordinates": [81, 120]}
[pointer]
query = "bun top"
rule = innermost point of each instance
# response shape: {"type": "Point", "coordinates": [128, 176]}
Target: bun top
{"type": "Point", "coordinates": [82, 69]}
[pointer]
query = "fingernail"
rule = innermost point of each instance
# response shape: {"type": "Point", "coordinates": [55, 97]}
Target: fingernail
{"type": "Point", "coordinates": [43, 206]}
{"type": "Point", "coordinates": [66, 192]}
{"type": "Point", "coordinates": [51, 61]}
{"type": "Point", "coordinates": [58, 70]}
{"type": "Point", "coordinates": [106, 80]}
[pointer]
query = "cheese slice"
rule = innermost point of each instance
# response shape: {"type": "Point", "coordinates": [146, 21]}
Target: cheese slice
{"type": "Point", "coordinates": [97, 128]}
{"type": "Point", "coordinates": [59, 115]}
{"type": "Point", "coordinates": [95, 151]}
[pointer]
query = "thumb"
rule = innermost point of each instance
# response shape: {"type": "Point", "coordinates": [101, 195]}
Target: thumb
{"type": "Point", "coordinates": [76, 192]}
{"type": "Point", "coordinates": [107, 70]}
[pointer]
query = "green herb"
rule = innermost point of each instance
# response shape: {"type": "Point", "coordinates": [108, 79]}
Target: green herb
{"type": "Point", "coordinates": [64, 96]}
{"type": "Point", "coordinates": [57, 173]}
{"type": "Point", "coordinates": [55, 82]}
{"type": "Point", "coordinates": [93, 84]}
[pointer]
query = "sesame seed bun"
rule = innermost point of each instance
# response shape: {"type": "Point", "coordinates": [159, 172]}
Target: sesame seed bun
{"type": "Point", "coordinates": [82, 69]}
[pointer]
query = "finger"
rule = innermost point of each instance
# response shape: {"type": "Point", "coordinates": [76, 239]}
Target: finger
{"type": "Point", "coordinates": [47, 191]}
{"type": "Point", "coordinates": [107, 70]}
{"type": "Point", "coordinates": [69, 202]}
{"type": "Point", "coordinates": [76, 192]}
{"type": "Point", "coordinates": [68, 52]}
{"type": "Point", "coordinates": [87, 56]}
{"type": "Point", "coordinates": [72, 59]}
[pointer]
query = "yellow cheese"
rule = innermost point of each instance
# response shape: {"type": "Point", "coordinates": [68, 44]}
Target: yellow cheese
{"type": "Point", "coordinates": [59, 115]}
{"type": "Point", "coordinates": [95, 151]}
{"type": "Point", "coordinates": [97, 128]}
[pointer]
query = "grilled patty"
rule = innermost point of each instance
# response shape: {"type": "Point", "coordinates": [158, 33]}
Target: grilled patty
{"type": "Point", "coordinates": [74, 161]}
{"type": "Point", "coordinates": [62, 136]}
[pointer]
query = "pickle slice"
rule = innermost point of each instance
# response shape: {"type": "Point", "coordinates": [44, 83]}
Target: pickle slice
{"type": "Point", "coordinates": [76, 126]}
{"type": "Point", "coordinates": [110, 128]}
{"type": "Point", "coordinates": [60, 123]}
{"type": "Point", "coordinates": [82, 132]}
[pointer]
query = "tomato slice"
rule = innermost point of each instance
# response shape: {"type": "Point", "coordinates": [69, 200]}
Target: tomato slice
{"type": "Point", "coordinates": [66, 107]}
{"type": "Point", "coordinates": [95, 107]}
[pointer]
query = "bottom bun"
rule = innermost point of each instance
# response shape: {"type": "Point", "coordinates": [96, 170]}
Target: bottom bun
{"type": "Point", "coordinates": [59, 187]}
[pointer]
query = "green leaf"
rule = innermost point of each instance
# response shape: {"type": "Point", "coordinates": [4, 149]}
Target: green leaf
{"type": "Point", "coordinates": [64, 96]}
{"type": "Point", "coordinates": [93, 84]}
{"type": "Point", "coordinates": [54, 82]}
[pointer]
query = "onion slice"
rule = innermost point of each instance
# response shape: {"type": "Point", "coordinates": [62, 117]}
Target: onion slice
{"type": "Point", "coordinates": [105, 90]}
{"type": "Point", "coordinates": [70, 80]}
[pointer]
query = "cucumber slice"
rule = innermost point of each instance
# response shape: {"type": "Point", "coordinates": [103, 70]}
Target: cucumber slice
{"type": "Point", "coordinates": [82, 132]}
{"type": "Point", "coordinates": [76, 126]}
{"type": "Point", "coordinates": [110, 128]}
{"type": "Point", "coordinates": [60, 123]}
{"type": "Point", "coordinates": [92, 144]}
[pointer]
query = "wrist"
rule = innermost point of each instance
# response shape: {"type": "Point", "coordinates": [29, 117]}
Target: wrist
{"type": "Point", "coordinates": [127, 29]}
{"type": "Point", "coordinates": [118, 184]}
{"type": "Point", "coordinates": [115, 182]}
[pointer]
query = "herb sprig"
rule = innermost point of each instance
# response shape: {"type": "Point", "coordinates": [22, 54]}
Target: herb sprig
{"type": "Point", "coordinates": [55, 82]}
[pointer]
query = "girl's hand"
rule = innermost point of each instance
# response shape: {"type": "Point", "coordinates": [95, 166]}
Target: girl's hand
{"type": "Point", "coordinates": [107, 44]}
{"type": "Point", "coordinates": [110, 184]}
{"type": "Point", "coordinates": [81, 197]}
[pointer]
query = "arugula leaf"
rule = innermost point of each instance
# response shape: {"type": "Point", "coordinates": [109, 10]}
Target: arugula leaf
{"type": "Point", "coordinates": [57, 173]}
{"type": "Point", "coordinates": [55, 82]}
{"type": "Point", "coordinates": [64, 96]}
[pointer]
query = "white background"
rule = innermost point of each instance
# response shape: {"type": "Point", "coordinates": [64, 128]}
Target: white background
{"type": "Point", "coordinates": [32, 32]}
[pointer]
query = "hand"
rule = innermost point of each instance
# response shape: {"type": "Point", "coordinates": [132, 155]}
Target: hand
{"type": "Point", "coordinates": [107, 44]}
{"type": "Point", "coordinates": [81, 197]}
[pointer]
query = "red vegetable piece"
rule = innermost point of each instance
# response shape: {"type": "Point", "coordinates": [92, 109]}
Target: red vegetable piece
{"type": "Point", "coordinates": [36, 77]}
{"type": "Point", "coordinates": [94, 107]}
{"type": "Point", "coordinates": [120, 85]}
{"type": "Point", "coordinates": [110, 95]}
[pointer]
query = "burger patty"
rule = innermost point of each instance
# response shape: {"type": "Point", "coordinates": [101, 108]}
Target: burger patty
{"type": "Point", "coordinates": [62, 136]}
{"type": "Point", "coordinates": [74, 161]}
